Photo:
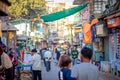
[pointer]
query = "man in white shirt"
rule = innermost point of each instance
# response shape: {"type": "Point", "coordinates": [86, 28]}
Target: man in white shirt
{"type": "Point", "coordinates": [48, 58]}
{"type": "Point", "coordinates": [27, 59]}
{"type": "Point", "coordinates": [7, 64]}
{"type": "Point", "coordinates": [36, 65]}
{"type": "Point", "coordinates": [85, 70]}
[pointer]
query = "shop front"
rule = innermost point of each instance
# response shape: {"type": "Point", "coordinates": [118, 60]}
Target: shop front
{"type": "Point", "coordinates": [98, 50]}
{"type": "Point", "coordinates": [99, 44]}
{"type": "Point", "coordinates": [9, 35]}
{"type": "Point", "coordinates": [113, 24]}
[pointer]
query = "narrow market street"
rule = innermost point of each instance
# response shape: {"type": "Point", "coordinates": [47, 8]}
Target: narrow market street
{"type": "Point", "coordinates": [34, 33]}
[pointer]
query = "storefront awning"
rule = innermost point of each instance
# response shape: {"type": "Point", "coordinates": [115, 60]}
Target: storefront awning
{"type": "Point", "coordinates": [63, 13]}
{"type": "Point", "coordinates": [11, 27]}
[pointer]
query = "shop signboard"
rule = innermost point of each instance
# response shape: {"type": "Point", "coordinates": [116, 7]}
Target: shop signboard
{"type": "Point", "coordinates": [10, 35]}
{"type": "Point", "coordinates": [81, 36]}
{"type": "Point", "coordinates": [101, 30]}
{"type": "Point", "coordinates": [77, 30]}
{"type": "Point", "coordinates": [114, 22]}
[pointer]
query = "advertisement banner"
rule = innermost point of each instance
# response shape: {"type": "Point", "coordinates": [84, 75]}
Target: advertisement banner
{"type": "Point", "coordinates": [114, 22]}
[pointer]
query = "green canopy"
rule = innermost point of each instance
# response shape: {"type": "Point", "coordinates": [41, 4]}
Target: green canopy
{"type": "Point", "coordinates": [18, 21]}
{"type": "Point", "coordinates": [63, 13]}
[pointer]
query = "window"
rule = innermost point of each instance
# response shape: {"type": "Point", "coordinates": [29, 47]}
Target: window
{"type": "Point", "coordinates": [99, 5]}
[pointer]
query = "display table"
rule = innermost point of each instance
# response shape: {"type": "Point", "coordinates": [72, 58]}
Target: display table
{"type": "Point", "coordinates": [20, 68]}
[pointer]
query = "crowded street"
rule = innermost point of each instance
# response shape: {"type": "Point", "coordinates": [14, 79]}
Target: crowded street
{"type": "Point", "coordinates": [59, 39]}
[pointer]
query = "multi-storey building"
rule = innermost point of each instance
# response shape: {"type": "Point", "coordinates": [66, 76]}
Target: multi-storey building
{"type": "Point", "coordinates": [106, 44]}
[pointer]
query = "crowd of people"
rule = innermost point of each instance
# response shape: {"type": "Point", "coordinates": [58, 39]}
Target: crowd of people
{"type": "Point", "coordinates": [74, 71]}
{"type": "Point", "coordinates": [67, 60]}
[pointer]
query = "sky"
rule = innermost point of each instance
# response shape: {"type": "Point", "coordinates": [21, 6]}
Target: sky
{"type": "Point", "coordinates": [64, 1]}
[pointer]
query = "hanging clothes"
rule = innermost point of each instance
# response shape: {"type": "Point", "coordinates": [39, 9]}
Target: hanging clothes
{"type": "Point", "coordinates": [87, 33]}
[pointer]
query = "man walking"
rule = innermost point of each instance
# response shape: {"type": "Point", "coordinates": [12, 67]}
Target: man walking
{"type": "Point", "coordinates": [85, 70]}
{"type": "Point", "coordinates": [36, 65]}
{"type": "Point", "coordinates": [48, 58]}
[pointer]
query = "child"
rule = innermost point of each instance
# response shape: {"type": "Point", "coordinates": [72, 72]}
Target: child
{"type": "Point", "coordinates": [65, 64]}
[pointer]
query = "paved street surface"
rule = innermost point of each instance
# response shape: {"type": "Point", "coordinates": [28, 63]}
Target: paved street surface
{"type": "Point", "coordinates": [53, 74]}
{"type": "Point", "coordinates": [107, 76]}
